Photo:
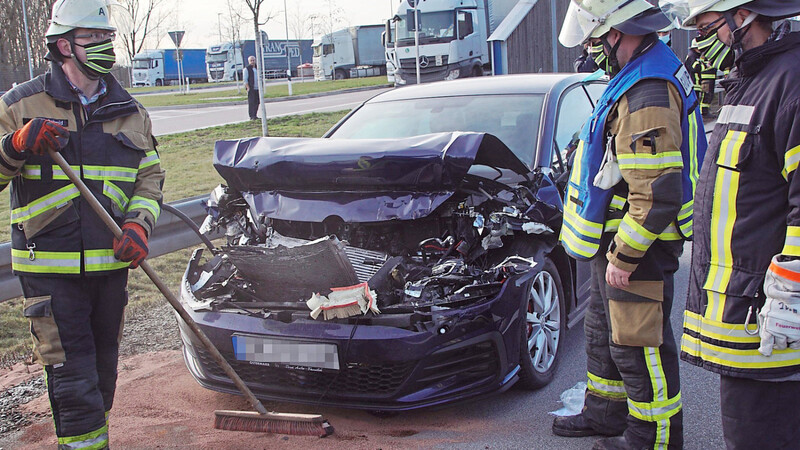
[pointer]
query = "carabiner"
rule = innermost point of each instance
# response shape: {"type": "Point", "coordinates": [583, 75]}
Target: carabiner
{"type": "Point", "coordinates": [747, 322]}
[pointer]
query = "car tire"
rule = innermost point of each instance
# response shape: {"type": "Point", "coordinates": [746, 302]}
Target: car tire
{"type": "Point", "coordinates": [159, 82]}
{"type": "Point", "coordinates": [477, 71]}
{"type": "Point", "coordinates": [544, 314]}
{"type": "Point", "coordinates": [339, 74]}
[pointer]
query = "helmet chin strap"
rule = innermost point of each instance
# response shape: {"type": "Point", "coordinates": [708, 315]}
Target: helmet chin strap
{"type": "Point", "coordinates": [738, 33]}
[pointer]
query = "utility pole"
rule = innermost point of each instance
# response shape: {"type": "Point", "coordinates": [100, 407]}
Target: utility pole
{"type": "Point", "coordinates": [27, 39]}
{"type": "Point", "coordinates": [416, 37]}
{"type": "Point", "coordinates": [288, 57]}
{"type": "Point", "coordinates": [219, 26]}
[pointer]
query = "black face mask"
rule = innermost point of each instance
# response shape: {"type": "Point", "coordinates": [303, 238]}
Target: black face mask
{"type": "Point", "coordinates": [100, 58]}
{"type": "Point", "coordinates": [612, 64]}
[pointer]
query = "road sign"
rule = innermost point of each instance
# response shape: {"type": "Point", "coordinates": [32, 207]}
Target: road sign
{"type": "Point", "coordinates": [177, 37]}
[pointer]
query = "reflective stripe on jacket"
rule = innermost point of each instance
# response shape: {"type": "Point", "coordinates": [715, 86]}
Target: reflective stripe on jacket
{"type": "Point", "coordinates": [110, 146]}
{"type": "Point", "coordinates": [747, 210]}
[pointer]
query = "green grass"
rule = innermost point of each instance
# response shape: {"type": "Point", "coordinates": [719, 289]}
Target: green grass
{"type": "Point", "coordinates": [186, 157]}
{"type": "Point", "coordinates": [272, 91]}
{"type": "Point", "coordinates": [139, 90]}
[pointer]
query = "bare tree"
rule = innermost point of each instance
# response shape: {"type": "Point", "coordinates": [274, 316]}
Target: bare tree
{"type": "Point", "coordinates": [144, 19]}
{"type": "Point", "coordinates": [331, 18]}
{"type": "Point", "coordinates": [234, 21]}
{"type": "Point", "coordinates": [13, 48]}
{"type": "Point", "coordinates": [255, 8]}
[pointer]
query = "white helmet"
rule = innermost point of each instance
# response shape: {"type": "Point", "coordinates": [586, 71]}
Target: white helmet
{"type": "Point", "coordinates": [593, 18]}
{"type": "Point", "coordinates": [776, 9]}
{"type": "Point", "coordinates": [71, 14]}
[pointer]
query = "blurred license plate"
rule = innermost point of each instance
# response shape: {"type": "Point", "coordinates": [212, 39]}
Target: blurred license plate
{"type": "Point", "coordinates": [286, 353]}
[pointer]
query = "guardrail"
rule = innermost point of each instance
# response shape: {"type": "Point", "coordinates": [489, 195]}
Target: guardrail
{"type": "Point", "coordinates": [170, 234]}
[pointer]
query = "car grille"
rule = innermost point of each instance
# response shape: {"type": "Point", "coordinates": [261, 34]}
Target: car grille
{"type": "Point", "coordinates": [360, 379]}
{"type": "Point", "coordinates": [411, 64]}
{"type": "Point", "coordinates": [471, 363]}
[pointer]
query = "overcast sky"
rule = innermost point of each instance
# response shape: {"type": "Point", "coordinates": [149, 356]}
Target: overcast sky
{"type": "Point", "coordinates": [201, 20]}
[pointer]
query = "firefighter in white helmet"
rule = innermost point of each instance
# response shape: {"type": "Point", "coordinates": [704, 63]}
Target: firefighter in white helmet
{"type": "Point", "coordinates": [72, 271]}
{"type": "Point", "coordinates": [628, 210]}
{"type": "Point", "coordinates": [742, 317]}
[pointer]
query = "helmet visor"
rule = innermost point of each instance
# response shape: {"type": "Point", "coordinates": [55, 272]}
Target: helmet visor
{"type": "Point", "coordinates": [578, 25]}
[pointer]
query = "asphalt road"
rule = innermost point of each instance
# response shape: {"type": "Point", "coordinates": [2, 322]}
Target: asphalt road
{"type": "Point", "coordinates": [178, 120]}
{"type": "Point", "coordinates": [519, 419]}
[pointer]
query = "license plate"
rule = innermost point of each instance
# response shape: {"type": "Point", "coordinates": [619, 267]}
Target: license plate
{"type": "Point", "coordinates": [314, 356]}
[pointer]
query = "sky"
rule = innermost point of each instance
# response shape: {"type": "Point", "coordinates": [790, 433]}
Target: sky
{"type": "Point", "coordinates": [201, 21]}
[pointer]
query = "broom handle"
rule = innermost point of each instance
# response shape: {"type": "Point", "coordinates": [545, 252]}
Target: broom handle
{"type": "Point", "coordinates": [106, 218]}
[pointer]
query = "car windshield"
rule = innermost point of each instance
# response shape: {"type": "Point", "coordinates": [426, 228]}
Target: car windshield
{"type": "Point", "coordinates": [141, 63]}
{"type": "Point", "coordinates": [218, 57]}
{"type": "Point", "coordinates": [512, 118]}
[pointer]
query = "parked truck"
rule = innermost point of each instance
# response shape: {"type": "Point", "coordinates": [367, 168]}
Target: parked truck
{"type": "Point", "coordinates": [350, 53]}
{"type": "Point", "coordinates": [160, 67]}
{"type": "Point", "coordinates": [452, 37]}
{"type": "Point", "coordinates": [226, 61]}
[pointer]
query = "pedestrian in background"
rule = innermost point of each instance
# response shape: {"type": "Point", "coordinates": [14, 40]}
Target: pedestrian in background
{"type": "Point", "coordinates": [251, 86]}
{"type": "Point", "coordinates": [742, 316]}
{"type": "Point", "coordinates": [72, 270]}
{"type": "Point", "coordinates": [628, 209]}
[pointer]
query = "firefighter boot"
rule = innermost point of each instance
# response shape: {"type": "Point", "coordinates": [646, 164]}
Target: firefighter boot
{"type": "Point", "coordinates": [575, 426]}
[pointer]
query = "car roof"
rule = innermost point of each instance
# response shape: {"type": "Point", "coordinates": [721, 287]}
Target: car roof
{"type": "Point", "coordinates": [535, 83]}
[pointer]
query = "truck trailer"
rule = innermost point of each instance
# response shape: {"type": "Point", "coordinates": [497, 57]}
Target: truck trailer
{"type": "Point", "coordinates": [350, 53]}
{"type": "Point", "coordinates": [226, 61]}
{"type": "Point", "coordinates": [452, 38]}
{"type": "Point", "coordinates": [160, 67]}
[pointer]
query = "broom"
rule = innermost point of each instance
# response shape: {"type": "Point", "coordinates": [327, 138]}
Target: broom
{"type": "Point", "coordinates": [260, 420]}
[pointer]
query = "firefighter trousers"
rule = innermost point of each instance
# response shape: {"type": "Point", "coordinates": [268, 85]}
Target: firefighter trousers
{"type": "Point", "coordinates": [632, 359]}
{"type": "Point", "coordinates": [76, 326]}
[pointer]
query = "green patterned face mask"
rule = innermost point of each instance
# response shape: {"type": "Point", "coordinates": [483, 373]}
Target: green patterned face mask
{"type": "Point", "coordinates": [100, 58]}
{"type": "Point", "coordinates": [599, 57]}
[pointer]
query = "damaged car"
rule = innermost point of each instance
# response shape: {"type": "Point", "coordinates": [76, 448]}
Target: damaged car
{"type": "Point", "coordinates": [408, 258]}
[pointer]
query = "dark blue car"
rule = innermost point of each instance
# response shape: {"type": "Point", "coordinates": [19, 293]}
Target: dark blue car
{"type": "Point", "coordinates": [409, 258]}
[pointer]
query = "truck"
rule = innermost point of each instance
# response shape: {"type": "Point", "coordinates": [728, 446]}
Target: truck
{"type": "Point", "coordinates": [351, 52]}
{"type": "Point", "coordinates": [226, 61]}
{"type": "Point", "coordinates": [452, 37]}
{"type": "Point", "coordinates": [160, 67]}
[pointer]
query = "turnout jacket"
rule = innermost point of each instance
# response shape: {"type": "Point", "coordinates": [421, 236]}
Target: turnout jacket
{"type": "Point", "coordinates": [111, 146]}
{"type": "Point", "coordinates": [747, 210]}
{"type": "Point", "coordinates": [648, 117]}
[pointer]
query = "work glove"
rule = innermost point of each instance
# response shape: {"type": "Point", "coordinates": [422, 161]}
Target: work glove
{"type": "Point", "coordinates": [132, 247]}
{"type": "Point", "coordinates": [779, 319]}
{"type": "Point", "coordinates": [38, 136]}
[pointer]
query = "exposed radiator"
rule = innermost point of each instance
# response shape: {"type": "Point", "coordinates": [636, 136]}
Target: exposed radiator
{"type": "Point", "coordinates": [365, 262]}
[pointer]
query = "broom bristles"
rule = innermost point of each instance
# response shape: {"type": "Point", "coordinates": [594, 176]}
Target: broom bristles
{"type": "Point", "coordinates": [259, 423]}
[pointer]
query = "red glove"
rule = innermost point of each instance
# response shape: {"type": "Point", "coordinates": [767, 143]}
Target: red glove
{"type": "Point", "coordinates": [133, 245]}
{"type": "Point", "coordinates": [38, 136]}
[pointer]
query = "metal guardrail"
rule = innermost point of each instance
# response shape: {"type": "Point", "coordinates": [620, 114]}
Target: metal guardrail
{"type": "Point", "coordinates": [170, 234]}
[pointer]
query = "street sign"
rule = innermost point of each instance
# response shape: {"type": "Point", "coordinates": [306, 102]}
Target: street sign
{"type": "Point", "coordinates": [177, 37]}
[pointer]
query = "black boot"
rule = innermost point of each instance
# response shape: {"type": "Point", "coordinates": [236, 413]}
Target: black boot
{"type": "Point", "coordinates": [612, 443]}
{"type": "Point", "coordinates": [575, 426]}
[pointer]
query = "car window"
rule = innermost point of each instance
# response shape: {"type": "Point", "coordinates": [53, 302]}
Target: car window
{"type": "Point", "coordinates": [575, 107]}
{"type": "Point", "coordinates": [513, 119]}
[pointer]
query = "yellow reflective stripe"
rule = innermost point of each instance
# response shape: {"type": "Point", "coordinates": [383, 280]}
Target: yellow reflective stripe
{"type": "Point", "coordinates": [742, 359]}
{"type": "Point", "coordinates": [138, 202]}
{"type": "Point", "coordinates": [655, 411]}
{"type": "Point", "coordinates": [618, 202]}
{"type": "Point", "coordinates": [97, 439]}
{"type": "Point", "coordinates": [670, 233]}
{"type": "Point", "coordinates": [575, 177]}
{"type": "Point", "coordinates": [791, 160]}
{"type": "Point", "coordinates": [686, 210]}
{"type": "Point", "coordinates": [729, 148]}
{"type": "Point", "coordinates": [723, 217]}
{"type": "Point", "coordinates": [113, 192]}
{"type": "Point", "coordinates": [605, 387]}
{"type": "Point", "coordinates": [576, 245]}
{"type": "Point", "coordinates": [791, 246]}
{"type": "Point", "coordinates": [150, 159]}
{"type": "Point", "coordinates": [29, 172]}
{"type": "Point", "coordinates": [45, 203]}
{"type": "Point", "coordinates": [100, 260]}
{"type": "Point", "coordinates": [46, 262]}
{"type": "Point", "coordinates": [583, 226]}
{"type": "Point", "coordinates": [658, 381]}
{"type": "Point", "coordinates": [663, 160]}
{"type": "Point", "coordinates": [635, 235]}
{"type": "Point", "coordinates": [113, 173]}
{"type": "Point", "coordinates": [720, 331]}
{"type": "Point", "coordinates": [612, 224]}
{"type": "Point", "coordinates": [58, 173]}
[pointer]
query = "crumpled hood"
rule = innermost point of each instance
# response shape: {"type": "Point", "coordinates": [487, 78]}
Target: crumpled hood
{"type": "Point", "coordinates": [358, 180]}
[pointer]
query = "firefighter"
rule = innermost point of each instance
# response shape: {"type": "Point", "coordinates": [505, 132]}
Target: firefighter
{"type": "Point", "coordinates": [628, 209]}
{"type": "Point", "coordinates": [742, 317]}
{"type": "Point", "coordinates": [715, 60]}
{"type": "Point", "coordinates": [72, 271]}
